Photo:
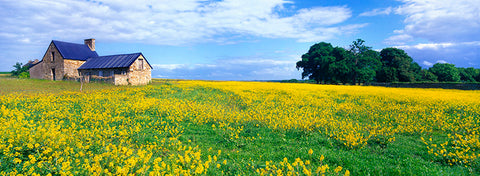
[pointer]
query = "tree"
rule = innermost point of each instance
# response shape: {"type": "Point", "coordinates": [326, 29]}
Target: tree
{"type": "Point", "coordinates": [397, 66]}
{"type": "Point", "coordinates": [366, 63]}
{"type": "Point", "coordinates": [426, 75]}
{"type": "Point", "coordinates": [316, 62]}
{"type": "Point", "coordinates": [468, 74]}
{"type": "Point", "coordinates": [477, 78]}
{"type": "Point", "coordinates": [324, 63]}
{"type": "Point", "coordinates": [341, 70]}
{"type": "Point", "coordinates": [19, 69]}
{"type": "Point", "coordinates": [445, 72]}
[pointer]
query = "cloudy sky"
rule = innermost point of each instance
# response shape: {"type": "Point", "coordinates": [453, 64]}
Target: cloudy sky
{"type": "Point", "coordinates": [240, 39]}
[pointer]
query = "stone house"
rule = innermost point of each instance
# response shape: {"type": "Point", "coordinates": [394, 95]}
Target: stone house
{"type": "Point", "coordinates": [64, 60]}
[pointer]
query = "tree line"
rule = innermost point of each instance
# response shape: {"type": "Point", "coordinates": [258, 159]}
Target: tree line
{"type": "Point", "coordinates": [324, 63]}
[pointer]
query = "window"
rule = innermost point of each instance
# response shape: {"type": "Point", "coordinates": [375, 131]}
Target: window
{"type": "Point", "coordinates": [140, 64]}
{"type": "Point", "coordinates": [53, 56]}
{"type": "Point", "coordinates": [100, 73]}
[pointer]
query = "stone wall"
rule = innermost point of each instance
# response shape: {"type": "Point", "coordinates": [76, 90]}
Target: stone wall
{"type": "Point", "coordinates": [49, 65]}
{"type": "Point", "coordinates": [71, 66]}
{"type": "Point", "coordinates": [140, 73]}
{"type": "Point", "coordinates": [37, 71]}
{"type": "Point", "coordinates": [117, 76]}
{"type": "Point", "coordinates": [54, 67]}
{"type": "Point", "coordinates": [121, 79]}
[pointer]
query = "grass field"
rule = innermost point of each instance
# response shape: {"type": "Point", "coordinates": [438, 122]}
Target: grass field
{"type": "Point", "coordinates": [235, 128]}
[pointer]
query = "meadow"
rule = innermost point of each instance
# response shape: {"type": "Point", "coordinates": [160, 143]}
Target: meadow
{"type": "Point", "coordinates": [176, 127]}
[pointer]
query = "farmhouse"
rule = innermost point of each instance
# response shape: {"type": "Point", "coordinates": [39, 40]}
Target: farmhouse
{"type": "Point", "coordinates": [64, 60]}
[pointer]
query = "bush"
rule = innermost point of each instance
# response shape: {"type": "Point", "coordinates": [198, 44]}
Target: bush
{"type": "Point", "coordinates": [24, 75]}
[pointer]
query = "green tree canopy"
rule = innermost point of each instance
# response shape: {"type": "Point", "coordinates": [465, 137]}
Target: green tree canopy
{"type": "Point", "coordinates": [397, 66]}
{"type": "Point", "coordinates": [341, 70]}
{"type": "Point", "coordinates": [316, 62]}
{"type": "Point", "coordinates": [325, 63]}
{"type": "Point", "coordinates": [445, 72]}
{"type": "Point", "coordinates": [366, 63]}
{"type": "Point", "coordinates": [469, 74]}
{"type": "Point", "coordinates": [428, 76]}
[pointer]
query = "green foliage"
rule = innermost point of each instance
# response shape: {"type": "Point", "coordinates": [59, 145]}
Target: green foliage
{"type": "Point", "coordinates": [428, 76]}
{"type": "Point", "coordinates": [367, 64]}
{"type": "Point", "coordinates": [397, 66]}
{"type": "Point", "coordinates": [469, 74]}
{"type": "Point", "coordinates": [19, 69]}
{"type": "Point", "coordinates": [360, 64]}
{"type": "Point", "coordinates": [24, 75]}
{"type": "Point", "coordinates": [325, 63]}
{"type": "Point", "coordinates": [316, 62]}
{"type": "Point", "coordinates": [445, 72]}
{"type": "Point", "coordinates": [341, 70]}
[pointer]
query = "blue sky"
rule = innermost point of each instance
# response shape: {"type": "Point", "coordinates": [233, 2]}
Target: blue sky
{"type": "Point", "coordinates": [240, 39]}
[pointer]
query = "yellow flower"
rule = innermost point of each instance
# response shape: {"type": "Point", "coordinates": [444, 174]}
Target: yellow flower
{"type": "Point", "coordinates": [338, 169]}
{"type": "Point", "coordinates": [16, 160]}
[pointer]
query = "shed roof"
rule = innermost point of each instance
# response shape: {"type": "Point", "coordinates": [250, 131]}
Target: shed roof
{"type": "Point", "coordinates": [74, 51]}
{"type": "Point", "coordinates": [112, 61]}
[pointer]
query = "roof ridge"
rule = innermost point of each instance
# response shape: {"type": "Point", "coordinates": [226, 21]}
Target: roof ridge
{"type": "Point", "coordinates": [121, 54]}
{"type": "Point", "coordinates": [111, 61]}
{"type": "Point", "coordinates": [139, 53]}
{"type": "Point", "coordinates": [68, 42]}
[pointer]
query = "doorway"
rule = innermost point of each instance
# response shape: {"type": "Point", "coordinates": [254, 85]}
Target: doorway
{"type": "Point", "coordinates": [53, 74]}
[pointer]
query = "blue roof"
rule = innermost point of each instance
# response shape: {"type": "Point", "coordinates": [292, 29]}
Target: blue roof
{"type": "Point", "coordinates": [74, 51]}
{"type": "Point", "coordinates": [113, 61]}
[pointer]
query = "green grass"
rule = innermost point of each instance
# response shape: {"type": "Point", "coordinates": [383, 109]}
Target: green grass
{"type": "Point", "coordinates": [5, 74]}
{"type": "Point", "coordinates": [405, 156]}
{"type": "Point", "coordinates": [28, 86]}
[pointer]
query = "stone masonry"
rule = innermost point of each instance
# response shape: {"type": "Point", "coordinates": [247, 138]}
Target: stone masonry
{"type": "Point", "coordinates": [54, 67]}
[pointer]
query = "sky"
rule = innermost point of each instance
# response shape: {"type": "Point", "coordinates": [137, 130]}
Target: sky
{"type": "Point", "coordinates": [240, 39]}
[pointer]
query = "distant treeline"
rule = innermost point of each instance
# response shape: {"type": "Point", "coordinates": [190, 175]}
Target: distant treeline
{"type": "Point", "coordinates": [324, 63]}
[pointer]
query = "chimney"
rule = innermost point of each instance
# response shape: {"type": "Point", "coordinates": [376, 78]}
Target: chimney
{"type": "Point", "coordinates": [90, 43]}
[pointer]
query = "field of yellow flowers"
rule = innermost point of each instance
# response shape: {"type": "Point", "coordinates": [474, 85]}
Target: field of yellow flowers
{"type": "Point", "coordinates": [239, 128]}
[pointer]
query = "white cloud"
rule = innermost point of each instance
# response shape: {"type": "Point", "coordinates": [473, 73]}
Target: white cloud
{"type": "Point", "coordinates": [441, 21]}
{"type": "Point", "coordinates": [428, 64]}
{"type": "Point", "coordinates": [231, 69]}
{"type": "Point", "coordinates": [168, 22]}
{"type": "Point", "coordinates": [432, 46]}
{"type": "Point", "coordinates": [400, 39]}
{"type": "Point", "coordinates": [462, 54]}
{"type": "Point", "coordinates": [376, 12]}
{"type": "Point", "coordinates": [442, 61]}
{"type": "Point", "coordinates": [448, 29]}
{"type": "Point", "coordinates": [32, 24]}
{"type": "Point", "coordinates": [168, 66]}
